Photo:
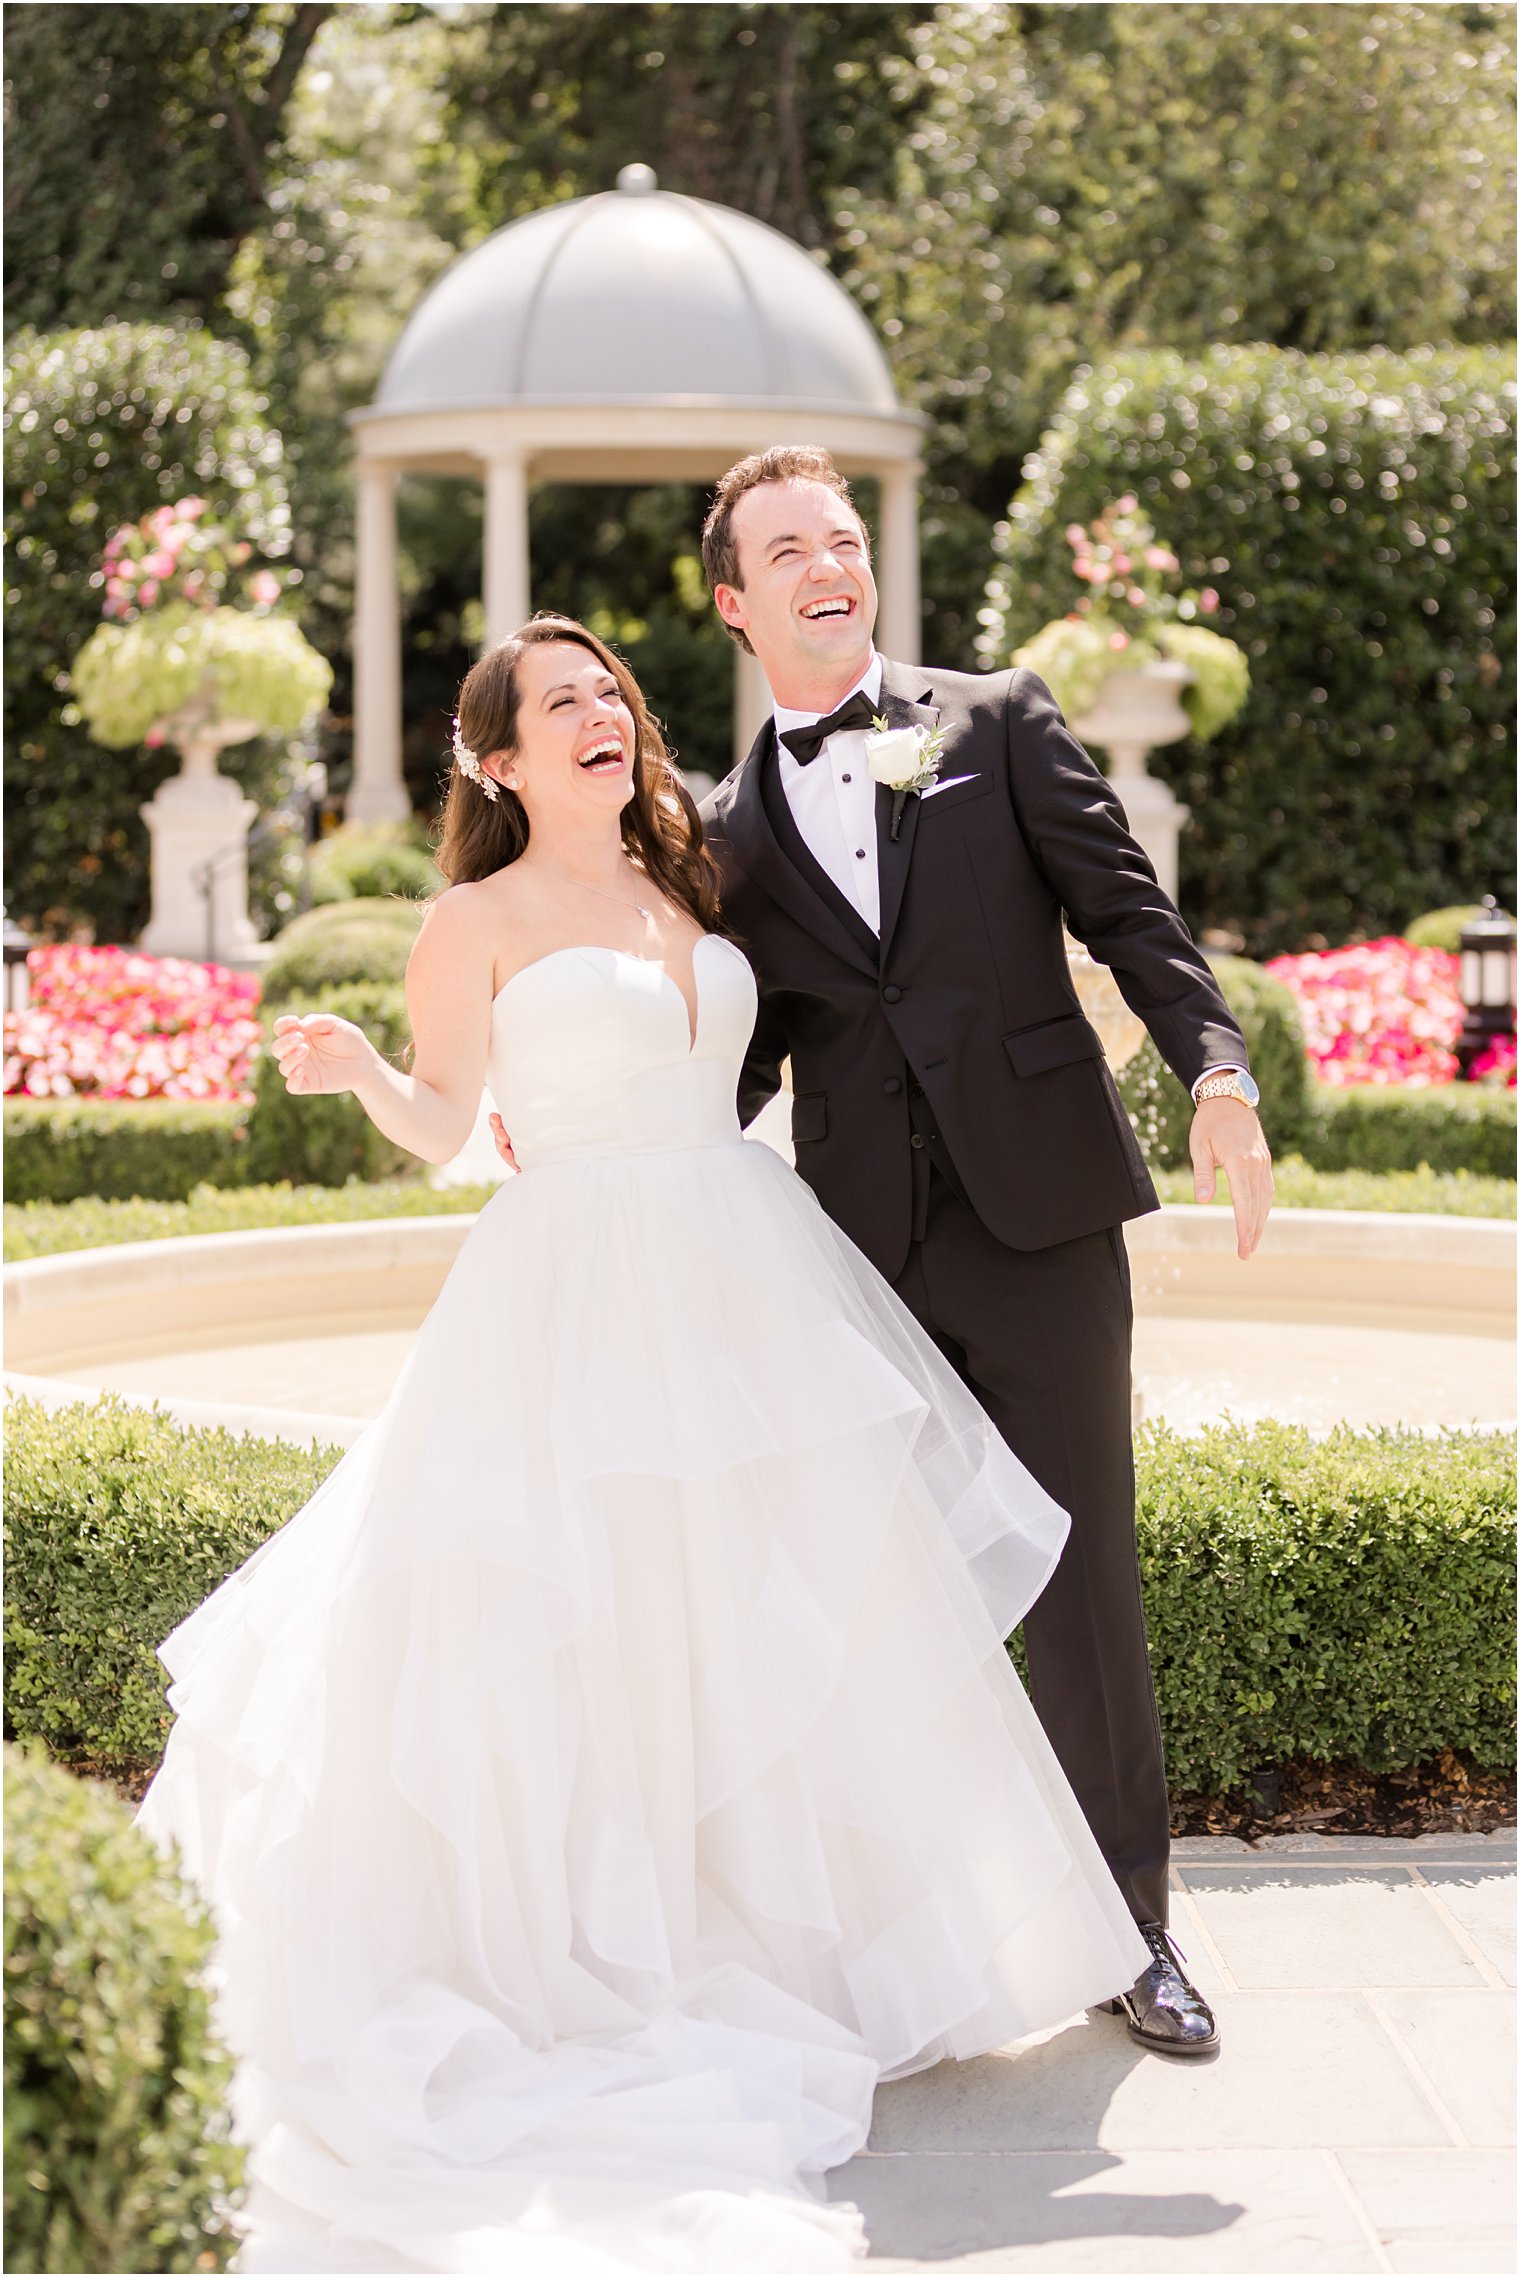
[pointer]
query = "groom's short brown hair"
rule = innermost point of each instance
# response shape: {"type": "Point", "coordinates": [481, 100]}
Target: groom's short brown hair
{"type": "Point", "coordinates": [783, 462]}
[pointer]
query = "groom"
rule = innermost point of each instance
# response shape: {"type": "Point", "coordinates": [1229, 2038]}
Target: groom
{"type": "Point", "coordinates": [952, 1108]}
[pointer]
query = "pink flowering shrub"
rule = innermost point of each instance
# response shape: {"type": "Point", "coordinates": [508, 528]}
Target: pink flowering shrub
{"type": "Point", "coordinates": [173, 554]}
{"type": "Point", "coordinates": [1496, 1062]}
{"type": "Point", "coordinates": [113, 1024]}
{"type": "Point", "coordinates": [1382, 1012]}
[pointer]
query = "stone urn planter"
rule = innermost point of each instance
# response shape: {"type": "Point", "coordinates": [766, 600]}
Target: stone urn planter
{"type": "Point", "coordinates": [1135, 710]}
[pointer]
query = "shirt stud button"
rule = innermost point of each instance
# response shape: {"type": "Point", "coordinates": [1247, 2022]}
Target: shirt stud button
{"type": "Point", "coordinates": [844, 778]}
{"type": "Point", "coordinates": [860, 853]}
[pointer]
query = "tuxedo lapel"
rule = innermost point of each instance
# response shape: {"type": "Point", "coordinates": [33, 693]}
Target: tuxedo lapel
{"type": "Point", "coordinates": [758, 834]}
{"type": "Point", "coordinates": [905, 702]}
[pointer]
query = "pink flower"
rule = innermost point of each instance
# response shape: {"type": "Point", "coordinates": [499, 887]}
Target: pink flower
{"type": "Point", "coordinates": [155, 738]}
{"type": "Point", "coordinates": [1118, 640]}
{"type": "Point", "coordinates": [1136, 596]}
{"type": "Point", "coordinates": [241, 551]}
{"type": "Point", "coordinates": [192, 508]}
{"type": "Point", "coordinates": [160, 520]}
{"type": "Point", "coordinates": [1122, 565]}
{"type": "Point", "coordinates": [1208, 600]}
{"type": "Point", "coordinates": [1126, 504]}
{"type": "Point", "coordinates": [1158, 557]}
{"type": "Point", "coordinates": [147, 592]}
{"type": "Point", "coordinates": [1075, 534]}
{"type": "Point", "coordinates": [1377, 1012]}
{"type": "Point", "coordinates": [264, 587]}
{"type": "Point", "coordinates": [1496, 1062]}
{"type": "Point", "coordinates": [159, 564]}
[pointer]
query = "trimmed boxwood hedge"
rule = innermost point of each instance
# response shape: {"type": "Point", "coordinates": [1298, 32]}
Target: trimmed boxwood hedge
{"type": "Point", "coordinates": [338, 943]}
{"type": "Point", "coordinates": [117, 2145]}
{"type": "Point", "coordinates": [1343, 1597]}
{"type": "Point", "coordinates": [1458, 1126]}
{"type": "Point", "coordinates": [1355, 512]}
{"type": "Point", "coordinates": [158, 1149]}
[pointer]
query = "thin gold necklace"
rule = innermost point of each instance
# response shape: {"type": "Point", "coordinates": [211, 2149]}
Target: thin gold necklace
{"type": "Point", "coordinates": [646, 914]}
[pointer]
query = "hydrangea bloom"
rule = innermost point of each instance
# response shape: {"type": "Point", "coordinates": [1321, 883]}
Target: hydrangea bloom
{"type": "Point", "coordinates": [1382, 1012]}
{"type": "Point", "coordinates": [106, 1023]}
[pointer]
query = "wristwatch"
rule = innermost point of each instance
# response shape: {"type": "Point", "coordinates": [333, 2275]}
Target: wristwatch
{"type": "Point", "coordinates": [1228, 1083]}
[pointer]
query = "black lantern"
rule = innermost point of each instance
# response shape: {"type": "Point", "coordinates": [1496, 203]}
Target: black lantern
{"type": "Point", "coordinates": [1486, 979]}
{"type": "Point", "coordinates": [18, 987]}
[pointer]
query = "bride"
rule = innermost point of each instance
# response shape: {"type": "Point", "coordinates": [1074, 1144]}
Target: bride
{"type": "Point", "coordinates": [615, 1769]}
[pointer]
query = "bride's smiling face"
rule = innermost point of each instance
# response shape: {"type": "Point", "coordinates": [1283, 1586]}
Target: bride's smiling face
{"type": "Point", "coordinates": [576, 739]}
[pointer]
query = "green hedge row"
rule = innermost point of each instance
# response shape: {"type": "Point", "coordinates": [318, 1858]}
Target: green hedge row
{"type": "Point", "coordinates": [1344, 1597]}
{"type": "Point", "coordinates": [160, 1150]}
{"type": "Point", "coordinates": [48, 1229]}
{"type": "Point", "coordinates": [1356, 514]}
{"type": "Point", "coordinates": [1460, 1126]}
{"type": "Point", "coordinates": [117, 2150]}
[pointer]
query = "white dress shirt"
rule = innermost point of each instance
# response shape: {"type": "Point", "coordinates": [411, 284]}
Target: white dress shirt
{"type": "Point", "coordinates": [833, 803]}
{"type": "Point", "coordinates": [833, 799]}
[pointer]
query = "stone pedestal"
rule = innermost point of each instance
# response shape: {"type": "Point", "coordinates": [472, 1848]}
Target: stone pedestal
{"type": "Point", "coordinates": [1134, 712]}
{"type": "Point", "coordinates": [195, 818]}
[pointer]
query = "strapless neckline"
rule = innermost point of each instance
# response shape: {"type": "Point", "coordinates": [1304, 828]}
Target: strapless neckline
{"type": "Point", "coordinates": [629, 956]}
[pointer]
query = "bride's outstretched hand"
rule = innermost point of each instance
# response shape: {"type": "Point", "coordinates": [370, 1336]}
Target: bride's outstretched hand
{"type": "Point", "coordinates": [316, 1051]}
{"type": "Point", "coordinates": [503, 1143]}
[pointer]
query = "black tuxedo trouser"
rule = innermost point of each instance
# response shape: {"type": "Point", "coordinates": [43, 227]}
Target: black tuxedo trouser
{"type": "Point", "coordinates": [1042, 1339]}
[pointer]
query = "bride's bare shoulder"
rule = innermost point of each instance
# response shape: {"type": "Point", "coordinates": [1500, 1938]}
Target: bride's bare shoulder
{"type": "Point", "coordinates": [481, 920]}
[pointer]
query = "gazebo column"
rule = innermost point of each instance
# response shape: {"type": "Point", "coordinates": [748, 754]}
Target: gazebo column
{"type": "Point", "coordinates": [378, 792]}
{"type": "Point", "coordinates": [752, 701]}
{"type": "Point", "coordinates": [506, 545]}
{"type": "Point", "coordinates": [899, 628]}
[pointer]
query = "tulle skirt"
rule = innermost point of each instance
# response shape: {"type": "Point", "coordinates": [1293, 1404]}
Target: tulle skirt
{"type": "Point", "coordinates": [615, 1769]}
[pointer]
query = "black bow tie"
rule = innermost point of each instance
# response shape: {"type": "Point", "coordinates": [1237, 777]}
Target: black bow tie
{"type": "Point", "coordinates": [805, 743]}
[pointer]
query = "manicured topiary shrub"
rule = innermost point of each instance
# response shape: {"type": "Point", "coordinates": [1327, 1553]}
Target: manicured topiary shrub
{"type": "Point", "coordinates": [117, 2149]}
{"type": "Point", "coordinates": [1355, 513]}
{"type": "Point", "coordinates": [1342, 1597]}
{"type": "Point", "coordinates": [1442, 928]}
{"type": "Point", "coordinates": [159, 1149]}
{"type": "Point", "coordinates": [1451, 1126]}
{"type": "Point", "coordinates": [1161, 1109]}
{"type": "Point", "coordinates": [326, 1138]}
{"type": "Point", "coordinates": [117, 1524]}
{"type": "Point", "coordinates": [343, 941]}
{"type": "Point", "coordinates": [373, 861]}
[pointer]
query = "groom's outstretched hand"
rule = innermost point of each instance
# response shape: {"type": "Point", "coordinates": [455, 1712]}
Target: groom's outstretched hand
{"type": "Point", "coordinates": [1227, 1136]}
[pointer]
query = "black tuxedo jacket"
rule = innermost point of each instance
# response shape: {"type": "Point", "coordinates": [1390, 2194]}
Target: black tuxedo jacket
{"type": "Point", "coordinates": [967, 990]}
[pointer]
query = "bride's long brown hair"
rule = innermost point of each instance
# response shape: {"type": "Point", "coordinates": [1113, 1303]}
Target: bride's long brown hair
{"type": "Point", "coordinates": [661, 828]}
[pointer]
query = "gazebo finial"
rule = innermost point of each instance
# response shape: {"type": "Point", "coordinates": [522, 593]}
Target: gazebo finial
{"type": "Point", "coordinates": [637, 181]}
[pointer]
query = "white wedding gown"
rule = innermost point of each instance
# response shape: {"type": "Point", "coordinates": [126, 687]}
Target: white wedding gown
{"type": "Point", "coordinates": [615, 1769]}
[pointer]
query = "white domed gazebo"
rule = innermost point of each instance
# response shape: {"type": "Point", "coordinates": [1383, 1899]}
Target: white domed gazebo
{"type": "Point", "coordinates": [634, 336]}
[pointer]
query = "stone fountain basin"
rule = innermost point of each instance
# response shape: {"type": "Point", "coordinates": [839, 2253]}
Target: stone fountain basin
{"type": "Point", "coordinates": [353, 1295]}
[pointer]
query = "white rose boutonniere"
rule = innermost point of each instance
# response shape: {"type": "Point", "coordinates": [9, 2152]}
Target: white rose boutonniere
{"type": "Point", "coordinates": [905, 759]}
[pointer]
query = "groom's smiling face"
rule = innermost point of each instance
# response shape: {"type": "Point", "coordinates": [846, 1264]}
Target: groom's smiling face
{"type": "Point", "coordinates": [807, 599]}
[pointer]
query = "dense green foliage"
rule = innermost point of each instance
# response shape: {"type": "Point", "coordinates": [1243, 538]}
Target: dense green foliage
{"type": "Point", "coordinates": [130, 678]}
{"type": "Point", "coordinates": [367, 938]}
{"type": "Point", "coordinates": [117, 2154]}
{"type": "Point", "coordinates": [1297, 1185]}
{"type": "Point", "coordinates": [1357, 516]}
{"type": "Point", "coordinates": [100, 426]}
{"type": "Point", "coordinates": [1459, 1126]}
{"type": "Point", "coordinates": [1349, 1596]}
{"type": "Point", "coordinates": [1009, 192]}
{"type": "Point", "coordinates": [326, 1138]}
{"type": "Point", "coordinates": [1162, 1110]}
{"type": "Point", "coordinates": [158, 1149]}
{"type": "Point", "coordinates": [48, 1229]}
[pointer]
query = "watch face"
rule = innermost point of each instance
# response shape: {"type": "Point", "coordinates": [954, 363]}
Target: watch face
{"type": "Point", "coordinates": [1248, 1086]}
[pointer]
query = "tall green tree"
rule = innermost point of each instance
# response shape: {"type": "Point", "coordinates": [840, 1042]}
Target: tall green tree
{"type": "Point", "coordinates": [140, 148]}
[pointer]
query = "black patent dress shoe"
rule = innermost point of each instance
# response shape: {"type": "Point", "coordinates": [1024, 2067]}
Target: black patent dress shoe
{"type": "Point", "coordinates": [1164, 2011]}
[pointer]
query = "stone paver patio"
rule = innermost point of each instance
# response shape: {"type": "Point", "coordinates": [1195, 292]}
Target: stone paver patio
{"type": "Point", "coordinates": [1359, 2114]}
